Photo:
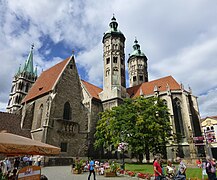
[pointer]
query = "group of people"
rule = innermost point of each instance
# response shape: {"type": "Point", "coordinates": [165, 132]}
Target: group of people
{"type": "Point", "coordinates": [170, 172]}
{"type": "Point", "coordinates": [9, 166]}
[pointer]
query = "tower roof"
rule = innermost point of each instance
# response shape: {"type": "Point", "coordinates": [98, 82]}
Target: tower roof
{"type": "Point", "coordinates": [114, 31]}
{"type": "Point", "coordinates": [28, 66]}
{"type": "Point", "coordinates": [136, 50]}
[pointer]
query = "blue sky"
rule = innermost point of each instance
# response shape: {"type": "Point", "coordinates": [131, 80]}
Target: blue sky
{"type": "Point", "coordinates": [178, 37]}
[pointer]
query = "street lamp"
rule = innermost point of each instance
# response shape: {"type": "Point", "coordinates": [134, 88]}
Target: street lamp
{"type": "Point", "coordinates": [207, 144]}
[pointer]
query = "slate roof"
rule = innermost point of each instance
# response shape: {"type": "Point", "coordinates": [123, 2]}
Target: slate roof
{"type": "Point", "coordinates": [147, 88]}
{"type": "Point", "coordinates": [92, 89]}
{"type": "Point", "coordinates": [11, 123]}
{"type": "Point", "coordinates": [46, 81]}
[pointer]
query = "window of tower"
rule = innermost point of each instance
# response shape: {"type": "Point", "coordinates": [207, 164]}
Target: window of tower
{"type": "Point", "coordinates": [107, 72]}
{"type": "Point", "coordinates": [146, 79]}
{"type": "Point", "coordinates": [9, 102]}
{"type": "Point", "coordinates": [141, 78]}
{"type": "Point", "coordinates": [27, 87]}
{"type": "Point", "coordinates": [115, 70]}
{"type": "Point", "coordinates": [12, 89]}
{"type": "Point", "coordinates": [115, 59]}
{"type": "Point", "coordinates": [107, 60]}
{"type": "Point", "coordinates": [134, 78]}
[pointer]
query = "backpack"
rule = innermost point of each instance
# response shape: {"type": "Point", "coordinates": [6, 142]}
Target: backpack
{"type": "Point", "coordinates": [210, 168]}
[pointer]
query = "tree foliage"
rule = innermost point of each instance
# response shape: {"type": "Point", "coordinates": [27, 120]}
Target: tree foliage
{"type": "Point", "coordinates": [142, 122]}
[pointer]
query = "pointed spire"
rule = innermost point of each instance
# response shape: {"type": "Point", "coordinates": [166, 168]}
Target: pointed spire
{"type": "Point", "coordinates": [136, 49]}
{"type": "Point", "coordinates": [36, 71]}
{"type": "Point", "coordinates": [182, 87]}
{"type": "Point", "coordinates": [156, 89]}
{"type": "Point", "coordinates": [168, 89]}
{"type": "Point", "coordinates": [189, 89]}
{"type": "Point", "coordinates": [73, 53]}
{"type": "Point", "coordinates": [113, 24]}
{"type": "Point", "coordinates": [19, 70]}
{"type": "Point", "coordinates": [28, 67]}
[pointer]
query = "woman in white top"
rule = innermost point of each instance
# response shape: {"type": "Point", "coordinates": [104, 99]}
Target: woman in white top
{"type": "Point", "coordinates": [170, 169]}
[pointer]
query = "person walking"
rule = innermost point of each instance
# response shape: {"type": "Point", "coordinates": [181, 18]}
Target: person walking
{"type": "Point", "coordinates": [210, 168]}
{"type": "Point", "coordinates": [157, 168]}
{"type": "Point", "coordinates": [91, 169]}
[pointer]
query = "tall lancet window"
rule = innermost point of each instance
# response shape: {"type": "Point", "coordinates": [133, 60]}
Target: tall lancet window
{"type": "Point", "coordinates": [178, 117]}
{"type": "Point", "coordinates": [27, 87]}
{"type": "Point", "coordinates": [67, 111]}
{"type": "Point", "coordinates": [39, 117]}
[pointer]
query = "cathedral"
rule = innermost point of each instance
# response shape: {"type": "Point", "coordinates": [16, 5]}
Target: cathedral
{"type": "Point", "coordinates": [61, 109]}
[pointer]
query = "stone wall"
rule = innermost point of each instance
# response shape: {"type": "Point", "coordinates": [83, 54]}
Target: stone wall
{"type": "Point", "coordinates": [74, 131]}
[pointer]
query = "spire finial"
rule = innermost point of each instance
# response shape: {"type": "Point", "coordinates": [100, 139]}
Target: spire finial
{"type": "Point", "coordinates": [73, 52]}
{"type": "Point", "coordinates": [32, 46]}
{"type": "Point", "coordinates": [135, 41]}
{"type": "Point", "coordinates": [113, 18]}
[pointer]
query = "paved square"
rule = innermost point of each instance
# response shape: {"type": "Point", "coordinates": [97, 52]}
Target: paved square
{"type": "Point", "coordinates": [64, 172]}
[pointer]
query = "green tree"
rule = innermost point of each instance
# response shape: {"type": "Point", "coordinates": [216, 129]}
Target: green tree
{"type": "Point", "coordinates": [142, 122]}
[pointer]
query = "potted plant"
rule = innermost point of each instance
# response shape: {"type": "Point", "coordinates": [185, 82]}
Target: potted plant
{"type": "Point", "coordinates": [78, 167]}
{"type": "Point", "coordinates": [112, 170]}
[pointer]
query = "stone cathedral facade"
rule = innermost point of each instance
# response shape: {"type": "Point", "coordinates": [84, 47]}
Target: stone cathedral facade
{"type": "Point", "coordinates": [62, 110]}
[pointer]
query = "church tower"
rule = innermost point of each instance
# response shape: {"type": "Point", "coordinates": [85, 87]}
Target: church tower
{"type": "Point", "coordinates": [137, 66]}
{"type": "Point", "coordinates": [22, 82]}
{"type": "Point", "coordinates": [114, 87]}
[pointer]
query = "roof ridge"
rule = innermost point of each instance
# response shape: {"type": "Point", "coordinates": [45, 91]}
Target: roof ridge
{"type": "Point", "coordinates": [47, 80]}
{"type": "Point", "coordinates": [159, 79]}
{"type": "Point", "coordinates": [91, 83]}
{"type": "Point", "coordinates": [56, 64]}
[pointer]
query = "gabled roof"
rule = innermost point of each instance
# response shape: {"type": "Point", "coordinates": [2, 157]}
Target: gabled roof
{"type": "Point", "coordinates": [46, 81]}
{"type": "Point", "coordinates": [11, 123]}
{"type": "Point", "coordinates": [92, 89]}
{"type": "Point", "coordinates": [209, 117]}
{"type": "Point", "coordinates": [147, 88]}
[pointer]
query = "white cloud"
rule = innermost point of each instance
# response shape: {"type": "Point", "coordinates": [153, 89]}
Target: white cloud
{"type": "Point", "coordinates": [178, 37]}
{"type": "Point", "coordinates": [208, 103]}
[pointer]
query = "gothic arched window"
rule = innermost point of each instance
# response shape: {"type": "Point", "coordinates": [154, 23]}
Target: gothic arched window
{"type": "Point", "coordinates": [67, 111]}
{"type": "Point", "coordinates": [115, 71]}
{"type": "Point", "coordinates": [27, 87]}
{"type": "Point", "coordinates": [179, 125]}
{"type": "Point", "coordinates": [115, 59]}
{"type": "Point", "coordinates": [39, 117]}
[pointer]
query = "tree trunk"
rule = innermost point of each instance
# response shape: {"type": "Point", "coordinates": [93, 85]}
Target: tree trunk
{"type": "Point", "coordinates": [147, 154]}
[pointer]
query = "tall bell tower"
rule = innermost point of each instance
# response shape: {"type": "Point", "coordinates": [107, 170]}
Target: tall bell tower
{"type": "Point", "coordinates": [137, 66]}
{"type": "Point", "coordinates": [114, 85]}
{"type": "Point", "coordinates": [22, 82]}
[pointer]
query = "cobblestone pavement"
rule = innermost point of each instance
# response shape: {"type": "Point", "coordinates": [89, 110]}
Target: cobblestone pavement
{"type": "Point", "coordinates": [64, 173]}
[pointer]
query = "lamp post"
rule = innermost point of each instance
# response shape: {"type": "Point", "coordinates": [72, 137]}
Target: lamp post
{"type": "Point", "coordinates": [207, 144]}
